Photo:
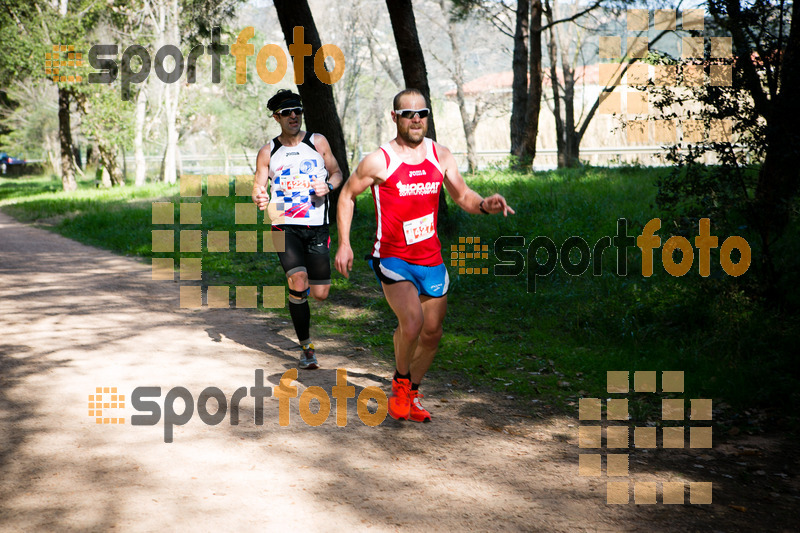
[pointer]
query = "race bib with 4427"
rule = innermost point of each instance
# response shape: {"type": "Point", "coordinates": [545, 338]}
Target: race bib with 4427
{"type": "Point", "coordinates": [296, 184]}
{"type": "Point", "coordinates": [419, 229]}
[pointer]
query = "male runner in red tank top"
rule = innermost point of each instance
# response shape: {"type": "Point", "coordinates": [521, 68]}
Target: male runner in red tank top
{"type": "Point", "coordinates": [406, 175]}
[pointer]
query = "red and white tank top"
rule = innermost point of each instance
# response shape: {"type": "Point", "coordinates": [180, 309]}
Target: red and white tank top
{"type": "Point", "coordinates": [407, 209]}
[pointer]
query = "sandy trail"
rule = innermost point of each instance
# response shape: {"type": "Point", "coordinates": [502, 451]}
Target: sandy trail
{"type": "Point", "coordinates": [75, 318]}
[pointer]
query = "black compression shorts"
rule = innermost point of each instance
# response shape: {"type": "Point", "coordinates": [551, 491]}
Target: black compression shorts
{"type": "Point", "coordinates": [307, 250]}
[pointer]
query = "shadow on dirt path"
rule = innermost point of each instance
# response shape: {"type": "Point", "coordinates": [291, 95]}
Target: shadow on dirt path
{"type": "Point", "coordinates": [75, 318]}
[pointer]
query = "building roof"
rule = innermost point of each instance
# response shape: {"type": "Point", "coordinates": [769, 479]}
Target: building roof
{"type": "Point", "coordinates": [502, 81]}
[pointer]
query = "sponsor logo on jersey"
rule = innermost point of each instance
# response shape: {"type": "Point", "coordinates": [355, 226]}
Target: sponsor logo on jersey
{"type": "Point", "coordinates": [412, 173]}
{"type": "Point", "coordinates": [412, 189]}
{"type": "Point", "coordinates": [307, 165]}
{"type": "Point", "coordinates": [292, 153]}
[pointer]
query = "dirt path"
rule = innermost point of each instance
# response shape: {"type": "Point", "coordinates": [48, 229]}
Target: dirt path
{"type": "Point", "coordinates": [74, 318]}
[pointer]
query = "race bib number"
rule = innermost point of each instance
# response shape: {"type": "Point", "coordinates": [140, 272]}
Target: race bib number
{"type": "Point", "coordinates": [419, 229]}
{"type": "Point", "coordinates": [299, 183]}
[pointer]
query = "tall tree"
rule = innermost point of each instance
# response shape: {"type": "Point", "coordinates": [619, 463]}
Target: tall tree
{"type": "Point", "coordinates": [519, 85]}
{"type": "Point", "coordinates": [412, 61]}
{"type": "Point", "coordinates": [297, 23]}
{"type": "Point", "coordinates": [766, 48]}
{"type": "Point", "coordinates": [534, 103]}
{"type": "Point", "coordinates": [68, 181]}
{"type": "Point", "coordinates": [29, 30]}
{"type": "Point", "coordinates": [455, 67]}
{"type": "Point", "coordinates": [775, 101]}
{"type": "Point", "coordinates": [552, 52]}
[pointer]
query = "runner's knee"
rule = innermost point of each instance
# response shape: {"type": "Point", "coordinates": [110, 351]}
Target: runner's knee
{"type": "Point", "coordinates": [410, 328]}
{"type": "Point", "coordinates": [298, 281]}
{"type": "Point", "coordinates": [431, 335]}
{"type": "Point", "coordinates": [320, 292]}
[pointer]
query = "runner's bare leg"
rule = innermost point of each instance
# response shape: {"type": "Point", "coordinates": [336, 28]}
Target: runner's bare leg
{"type": "Point", "coordinates": [404, 301]}
{"type": "Point", "coordinates": [433, 311]}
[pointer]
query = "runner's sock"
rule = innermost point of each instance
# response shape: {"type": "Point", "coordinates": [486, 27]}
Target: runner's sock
{"type": "Point", "coordinates": [414, 386]}
{"type": "Point", "coordinates": [398, 375]}
{"type": "Point", "coordinates": [301, 318]}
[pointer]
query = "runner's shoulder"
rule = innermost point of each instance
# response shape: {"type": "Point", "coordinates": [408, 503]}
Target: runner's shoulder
{"type": "Point", "coordinates": [374, 164]}
{"type": "Point", "coordinates": [319, 141]}
{"type": "Point", "coordinates": [442, 151]}
{"type": "Point", "coordinates": [264, 153]}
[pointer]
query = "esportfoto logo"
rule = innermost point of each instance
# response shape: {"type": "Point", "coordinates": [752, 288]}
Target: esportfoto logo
{"type": "Point", "coordinates": [103, 57]}
{"type": "Point", "coordinates": [143, 400]}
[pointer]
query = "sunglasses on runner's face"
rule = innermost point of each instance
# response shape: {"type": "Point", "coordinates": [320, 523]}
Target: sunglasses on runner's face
{"type": "Point", "coordinates": [288, 111]}
{"type": "Point", "coordinates": [409, 113]}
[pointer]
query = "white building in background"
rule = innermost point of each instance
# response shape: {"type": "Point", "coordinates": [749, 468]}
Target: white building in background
{"type": "Point", "coordinates": [606, 141]}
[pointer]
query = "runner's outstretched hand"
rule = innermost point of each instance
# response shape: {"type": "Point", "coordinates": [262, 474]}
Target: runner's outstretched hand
{"type": "Point", "coordinates": [495, 204]}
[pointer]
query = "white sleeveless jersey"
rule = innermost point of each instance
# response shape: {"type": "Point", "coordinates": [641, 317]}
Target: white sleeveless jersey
{"type": "Point", "coordinates": [290, 171]}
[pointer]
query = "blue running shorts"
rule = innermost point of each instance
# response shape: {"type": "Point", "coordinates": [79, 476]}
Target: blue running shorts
{"type": "Point", "coordinates": [429, 281]}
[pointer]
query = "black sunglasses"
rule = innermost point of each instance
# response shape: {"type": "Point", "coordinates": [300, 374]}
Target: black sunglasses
{"type": "Point", "coordinates": [289, 110]}
{"type": "Point", "coordinates": [409, 113]}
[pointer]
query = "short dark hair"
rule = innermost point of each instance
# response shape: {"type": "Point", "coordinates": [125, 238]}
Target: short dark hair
{"type": "Point", "coordinates": [404, 92]}
{"type": "Point", "coordinates": [282, 99]}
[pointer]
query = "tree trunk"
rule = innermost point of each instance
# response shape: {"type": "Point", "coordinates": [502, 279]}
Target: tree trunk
{"type": "Point", "coordinates": [318, 102]}
{"type": "Point", "coordinates": [458, 78]}
{"type": "Point", "coordinates": [571, 140]}
{"type": "Point", "coordinates": [109, 161]}
{"type": "Point", "coordinates": [170, 17]}
{"type": "Point", "coordinates": [519, 87]}
{"type": "Point", "coordinates": [138, 138]}
{"type": "Point", "coordinates": [552, 51]}
{"type": "Point", "coordinates": [124, 164]}
{"type": "Point", "coordinates": [55, 162]}
{"type": "Point", "coordinates": [412, 61]}
{"type": "Point", "coordinates": [778, 179]}
{"type": "Point", "coordinates": [170, 172]}
{"type": "Point", "coordinates": [65, 138]}
{"type": "Point", "coordinates": [76, 156]}
{"type": "Point", "coordinates": [535, 87]}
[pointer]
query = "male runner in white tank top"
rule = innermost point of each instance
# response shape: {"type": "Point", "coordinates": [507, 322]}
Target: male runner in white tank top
{"type": "Point", "coordinates": [300, 170]}
{"type": "Point", "coordinates": [405, 176]}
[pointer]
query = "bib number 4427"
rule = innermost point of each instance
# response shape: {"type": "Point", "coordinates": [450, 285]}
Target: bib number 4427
{"type": "Point", "coordinates": [419, 229]}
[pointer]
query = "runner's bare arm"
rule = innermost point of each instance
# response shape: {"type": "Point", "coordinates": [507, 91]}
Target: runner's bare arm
{"type": "Point", "coordinates": [260, 196]}
{"type": "Point", "coordinates": [370, 171]}
{"type": "Point", "coordinates": [335, 177]}
{"type": "Point", "coordinates": [466, 198]}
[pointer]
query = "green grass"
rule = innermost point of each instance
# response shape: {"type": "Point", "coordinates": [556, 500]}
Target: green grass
{"type": "Point", "coordinates": [554, 344]}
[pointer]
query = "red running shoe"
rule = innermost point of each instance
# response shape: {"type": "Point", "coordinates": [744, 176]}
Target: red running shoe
{"type": "Point", "coordinates": [418, 413]}
{"type": "Point", "coordinates": [400, 401]}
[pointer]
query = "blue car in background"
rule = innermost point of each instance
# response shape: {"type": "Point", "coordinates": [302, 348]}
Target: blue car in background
{"type": "Point", "coordinates": [7, 161]}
